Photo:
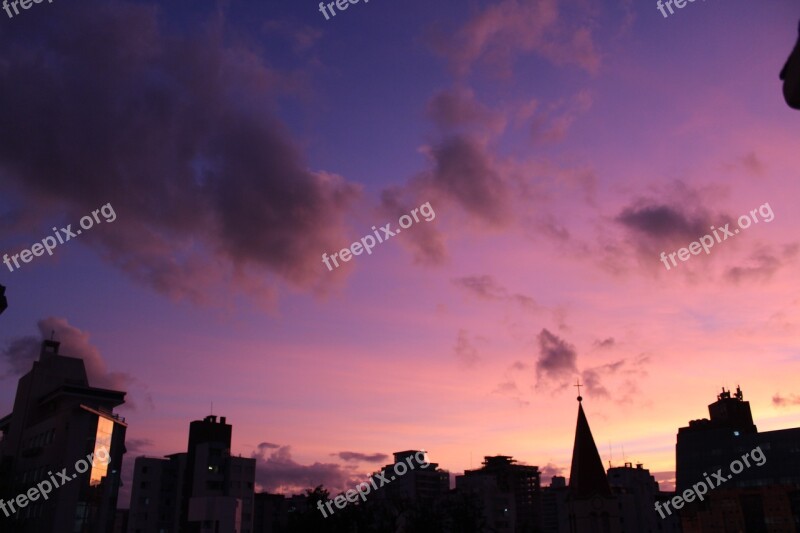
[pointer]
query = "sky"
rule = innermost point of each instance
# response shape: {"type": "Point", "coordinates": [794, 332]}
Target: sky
{"type": "Point", "coordinates": [553, 150]}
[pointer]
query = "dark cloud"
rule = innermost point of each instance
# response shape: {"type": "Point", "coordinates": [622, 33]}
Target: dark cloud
{"type": "Point", "coordinates": [423, 239]}
{"type": "Point", "coordinates": [465, 352]}
{"type": "Point", "coordinates": [591, 378]}
{"type": "Point", "coordinates": [19, 355]}
{"type": "Point", "coordinates": [625, 389]}
{"type": "Point", "coordinates": [663, 222]}
{"type": "Point", "coordinates": [557, 359]}
{"type": "Point", "coordinates": [276, 471]}
{"type": "Point", "coordinates": [486, 288]}
{"type": "Point", "coordinates": [605, 343]}
{"type": "Point", "coordinates": [785, 401]}
{"type": "Point", "coordinates": [174, 129]}
{"type": "Point", "coordinates": [465, 172]}
{"type": "Point", "coordinates": [363, 457]}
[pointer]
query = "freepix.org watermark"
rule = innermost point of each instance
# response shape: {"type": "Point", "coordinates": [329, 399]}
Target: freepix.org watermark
{"type": "Point", "coordinates": [680, 4]}
{"type": "Point", "coordinates": [341, 4]}
{"type": "Point", "coordinates": [44, 488]}
{"type": "Point", "coordinates": [352, 495]}
{"type": "Point", "coordinates": [64, 235]}
{"type": "Point", "coordinates": [700, 489]}
{"type": "Point", "coordinates": [368, 242]}
{"type": "Point", "coordinates": [24, 4]}
{"type": "Point", "coordinates": [707, 241]}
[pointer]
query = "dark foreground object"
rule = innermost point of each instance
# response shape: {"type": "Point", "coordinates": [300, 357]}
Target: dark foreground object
{"type": "Point", "coordinates": [3, 301]}
{"type": "Point", "coordinates": [791, 76]}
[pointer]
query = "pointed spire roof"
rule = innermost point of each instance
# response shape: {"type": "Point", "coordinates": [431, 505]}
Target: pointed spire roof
{"type": "Point", "coordinates": [587, 477]}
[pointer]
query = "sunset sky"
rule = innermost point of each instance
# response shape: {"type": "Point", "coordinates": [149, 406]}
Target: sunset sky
{"type": "Point", "coordinates": [563, 145]}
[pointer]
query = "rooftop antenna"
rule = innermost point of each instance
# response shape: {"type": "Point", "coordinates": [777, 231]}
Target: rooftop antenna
{"type": "Point", "coordinates": [212, 408]}
{"type": "Point", "coordinates": [624, 459]}
{"type": "Point", "coordinates": [610, 455]}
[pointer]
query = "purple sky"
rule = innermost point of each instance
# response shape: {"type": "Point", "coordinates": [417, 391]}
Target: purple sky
{"type": "Point", "coordinates": [562, 146]}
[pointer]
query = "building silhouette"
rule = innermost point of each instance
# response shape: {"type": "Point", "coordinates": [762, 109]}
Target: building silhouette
{"type": "Point", "coordinates": [204, 489]}
{"type": "Point", "coordinates": [637, 492]}
{"type": "Point", "coordinates": [591, 505]}
{"type": "Point", "coordinates": [57, 421]}
{"type": "Point", "coordinates": [508, 492]}
{"type": "Point", "coordinates": [417, 484]}
{"type": "Point", "coordinates": [758, 498]}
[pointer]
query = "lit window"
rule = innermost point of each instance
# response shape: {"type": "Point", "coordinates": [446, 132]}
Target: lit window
{"type": "Point", "coordinates": [102, 449]}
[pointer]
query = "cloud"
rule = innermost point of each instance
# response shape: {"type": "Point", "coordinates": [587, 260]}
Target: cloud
{"type": "Point", "coordinates": [276, 471]}
{"type": "Point", "coordinates": [626, 389]}
{"type": "Point", "coordinates": [549, 470]}
{"type": "Point", "coordinates": [507, 387]}
{"type": "Point", "coordinates": [660, 222]}
{"type": "Point", "coordinates": [592, 377]}
{"type": "Point", "coordinates": [605, 343]}
{"type": "Point", "coordinates": [784, 401]}
{"type": "Point", "coordinates": [553, 124]}
{"type": "Point", "coordinates": [486, 288]}
{"type": "Point", "coordinates": [466, 173]}
{"type": "Point", "coordinates": [424, 240]}
{"type": "Point", "coordinates": [761, 264]}
{"type": "Point", "coordinates": [138, 446]}
{"type": "Point", "coordinates": [20, 353]}
{"type": "Point", "coordinates": [750, 163]}
{"type": "Point", "coordinates": [363, 457]}
{"type": "Point", "coordinates": [557, 359]}
{"type": "Point", "coordinates": [510, 389]}
{"type": "Point", "coordinates": [518, 365]}
{"type": "Point", "coordinates": [175, 130]}
{"type": "Point", "coordinates": [465, 352]}
{"type": "Point", "coordinates": [503, 30]}
{"type": "Point", "coordinates": [458, 108]}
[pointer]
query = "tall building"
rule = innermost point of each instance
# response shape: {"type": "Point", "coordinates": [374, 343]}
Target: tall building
{"type": "Point", "coordinates": [156, 494]}
{"type": "Point", "coordinates": [57, 421]}
{"type": "Point", "coordinates": [637, 491]}
{"type": "Point", "coordinates": [202, 490]}
{"type": "Point", "coordinates": [509, 493]}
{"type": "Point", "coordinates": [417, 483]}
{"type": "Point", "coordinates": [760, 497]}
{"type": "Point", "coordinates": [592, 506]}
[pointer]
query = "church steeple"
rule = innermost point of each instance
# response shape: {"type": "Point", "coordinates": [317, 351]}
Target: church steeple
{"type": "Point", "coordinates": [587, 477]}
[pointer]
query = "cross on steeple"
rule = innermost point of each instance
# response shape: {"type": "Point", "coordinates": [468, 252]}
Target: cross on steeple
{"type": "Point", "coordinates": [578, 384]}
